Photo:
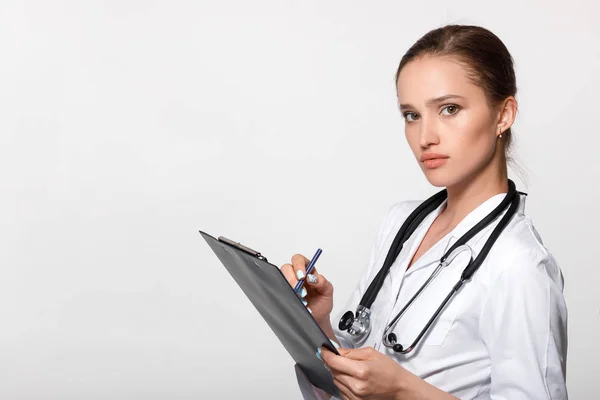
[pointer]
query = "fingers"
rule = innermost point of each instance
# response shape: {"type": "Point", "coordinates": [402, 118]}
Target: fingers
{"type": "Point", "coordinates": [314, 282]}
{"type": "Point", "coordinates": [319, 284]}
{"type": "Point", "coordinates": [350, 370]}
{"type": "Point", "coordinates": [341, 380]}
{"type": "Point", "coordinates": [344, 390]}
{"type": "Point", "coordinates": [344, 383]}
{"type": "Point", "coordinates": [288, 272]}
{"type": "Point", "coordinates": [299, 263]}
{"type": "Point", "coordinates": [361, 354]}
{"type": "Point", "coordinates": [351, 386]}
{"type": "Point", "coordinates": [343, 364]}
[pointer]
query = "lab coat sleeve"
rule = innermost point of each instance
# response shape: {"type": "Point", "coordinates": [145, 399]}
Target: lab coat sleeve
{"type": "Point", "coordinates": [310, 392]}
{"type": "Point", "coordinates": [523, 325]}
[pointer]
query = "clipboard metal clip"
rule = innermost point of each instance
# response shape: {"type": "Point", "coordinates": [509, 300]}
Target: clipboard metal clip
{"type": "Point", "coordinates": [243, 248]}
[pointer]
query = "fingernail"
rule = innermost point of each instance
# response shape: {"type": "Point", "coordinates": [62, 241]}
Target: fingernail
{"type": "Point", "coordinates": [337, 346]}
{"type": "Point", "coordinates": [300, 274]}
{"type": "Point", "coordinates": [326, 367]}
{"type": "Point", "coordinates": [304, 302]}
{"type": "Point", "coordinates": [303, 292]}
{"type": "Point", "coordinates": [319, 354]}
{"type": "Point", "coordinates": [312, 278]}
{"type": "Point", "coordinates": [309, 310]}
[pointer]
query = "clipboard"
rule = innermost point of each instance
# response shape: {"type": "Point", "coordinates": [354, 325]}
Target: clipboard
{"type": "Point", "coordinates": [278, 304]}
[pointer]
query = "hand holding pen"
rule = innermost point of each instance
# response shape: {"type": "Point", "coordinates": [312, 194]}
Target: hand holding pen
{"type": "Point", "coordinates": [313, 288]}
{"type": "Point", "coordinates": [309, 276]}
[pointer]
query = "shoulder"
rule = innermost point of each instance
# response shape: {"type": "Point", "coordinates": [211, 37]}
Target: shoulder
{"type": "Point", "coordinates": [399, 211]}
{"type": "Point", "coordinates": [396, 214]}
{"type": "Point", "coordinates": [394, 217]}
{"type": "Point", "coordinates": [519, 253]}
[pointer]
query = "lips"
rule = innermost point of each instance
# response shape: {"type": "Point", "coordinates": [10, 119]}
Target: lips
{"type": "Point", "coordinates": [433, 160]}
{"type": "Point", "coordinates": [432, 156]}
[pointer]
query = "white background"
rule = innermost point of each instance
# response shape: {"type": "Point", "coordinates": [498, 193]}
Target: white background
{"type": "Point", "coordinates": [127, 126]}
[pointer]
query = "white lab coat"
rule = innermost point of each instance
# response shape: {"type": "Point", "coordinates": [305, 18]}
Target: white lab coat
{"type": "Point", "coordinates": [503, 336]}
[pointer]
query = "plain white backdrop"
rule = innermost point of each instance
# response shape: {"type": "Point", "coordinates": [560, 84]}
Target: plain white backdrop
{"type": "Point", "coordinates": [127, 126]}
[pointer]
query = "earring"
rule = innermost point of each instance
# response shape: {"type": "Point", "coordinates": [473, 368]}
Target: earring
{"type": "Point", "coordinates": [500, 136]}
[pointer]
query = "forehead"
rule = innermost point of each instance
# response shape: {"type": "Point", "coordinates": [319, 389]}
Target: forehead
{"type": "Point", "coordinates": [434, 76]}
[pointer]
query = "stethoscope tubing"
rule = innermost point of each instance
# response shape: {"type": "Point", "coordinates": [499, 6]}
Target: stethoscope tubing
{"type": "Point", "coordinates": [389, 339]}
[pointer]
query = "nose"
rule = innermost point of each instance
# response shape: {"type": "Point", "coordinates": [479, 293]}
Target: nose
{"type": "Point", "coordinates": [428, 134]}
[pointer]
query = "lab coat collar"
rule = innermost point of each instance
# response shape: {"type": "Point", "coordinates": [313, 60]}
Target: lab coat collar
{"type": "Point", "coordinates": [435, 253]}
{"type": "Point", "coordinates": [479, 213]}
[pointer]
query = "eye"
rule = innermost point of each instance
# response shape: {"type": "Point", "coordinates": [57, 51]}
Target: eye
{"type": "Point", "coordinates": [410, 116]}
{"type": "Point", "coordinates": [451, 108]}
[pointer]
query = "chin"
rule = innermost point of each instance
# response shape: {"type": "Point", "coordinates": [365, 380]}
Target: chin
{"type": "Point", "coordinates": [440, 178]}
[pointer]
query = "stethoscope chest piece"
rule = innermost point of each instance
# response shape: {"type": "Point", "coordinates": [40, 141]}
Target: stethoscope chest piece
{"type": "Point", "coordinates": [358, 325]}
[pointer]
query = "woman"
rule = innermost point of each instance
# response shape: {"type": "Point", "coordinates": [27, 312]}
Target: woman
{"type": "Point", "coordinates": [503, 335]}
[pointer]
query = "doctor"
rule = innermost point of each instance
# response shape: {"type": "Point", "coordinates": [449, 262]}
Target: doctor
{"type": "Point", "coordinates": [503, 335]}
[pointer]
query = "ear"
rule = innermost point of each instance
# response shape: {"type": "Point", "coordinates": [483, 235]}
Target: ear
{"type": "Point", "coordinates": [507, 115]}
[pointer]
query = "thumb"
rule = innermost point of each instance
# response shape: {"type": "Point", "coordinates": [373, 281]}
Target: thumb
{"type": "Point", "coordinates": [357, 354]}
{"type": "Point", "coordinates": [320, 284]}
{"type": "Point", "coordinates": [344, 352]}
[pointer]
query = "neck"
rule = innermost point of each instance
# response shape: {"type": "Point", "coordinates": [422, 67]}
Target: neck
{"type": "Point", "coordinates": [469, 194]}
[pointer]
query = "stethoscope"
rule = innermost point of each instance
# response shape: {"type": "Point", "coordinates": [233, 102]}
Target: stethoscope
{"type": "Point", "coordinates": [358, 324]}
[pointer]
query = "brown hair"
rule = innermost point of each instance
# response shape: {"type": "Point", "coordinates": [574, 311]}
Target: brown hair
{"type": "Point", "coordinates": [486, 58]}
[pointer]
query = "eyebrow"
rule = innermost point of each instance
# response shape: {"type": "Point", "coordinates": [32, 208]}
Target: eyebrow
{"type": "Point", "coordinates": [434, 101]}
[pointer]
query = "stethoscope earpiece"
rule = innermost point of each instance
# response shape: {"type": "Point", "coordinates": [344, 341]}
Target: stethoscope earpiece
{"type": "Point", "coordinates": [397, 347]}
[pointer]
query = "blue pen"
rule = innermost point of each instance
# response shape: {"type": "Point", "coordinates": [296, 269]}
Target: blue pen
{"type": "Point", "coordinates": [309, 269]}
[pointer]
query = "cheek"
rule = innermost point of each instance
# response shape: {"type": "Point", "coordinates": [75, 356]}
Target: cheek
{"type": "Point", "coordinates": [472, 137]}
